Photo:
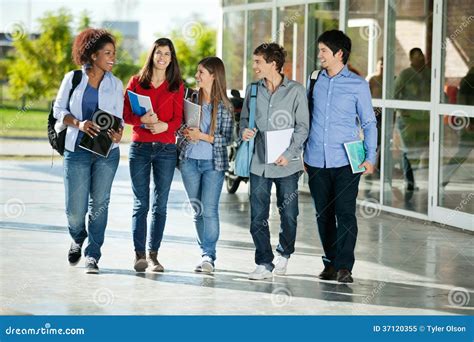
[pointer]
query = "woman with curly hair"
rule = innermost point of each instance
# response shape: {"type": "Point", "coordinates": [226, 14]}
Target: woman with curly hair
{"type": "Point", "coordinates": [153, 148]}
{"type": "Point", "coordinates": [87, 176]}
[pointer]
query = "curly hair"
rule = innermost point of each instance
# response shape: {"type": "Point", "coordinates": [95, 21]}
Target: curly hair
{"type": "Point", "coordinates": [272, 52]}
{"type": "Point", "coordinates": [89, 42]}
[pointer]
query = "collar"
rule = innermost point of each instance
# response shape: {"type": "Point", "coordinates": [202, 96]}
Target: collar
{"type": "Point", "coordinates": [344, 72]}
{"type": "Point", "coordinates": [285, 81]}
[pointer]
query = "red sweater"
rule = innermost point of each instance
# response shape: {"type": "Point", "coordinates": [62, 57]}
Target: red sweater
{"type": "Point", "coordinates": [168, 107]}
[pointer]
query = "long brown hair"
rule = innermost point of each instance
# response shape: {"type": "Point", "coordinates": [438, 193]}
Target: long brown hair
{"type": "Point", "coordinates": [173, 74]}
{"type": "Point", "coordinates": [215, 66]}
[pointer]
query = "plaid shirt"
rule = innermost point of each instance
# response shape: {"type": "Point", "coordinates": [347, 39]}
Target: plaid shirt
{"type": "Point", "coordinates": [222, 138]}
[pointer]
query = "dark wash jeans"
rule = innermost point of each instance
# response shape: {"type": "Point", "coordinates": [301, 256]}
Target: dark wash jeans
{"type": "Point", "coordinates": [287, 202]}
{"type": "Point", "coordinates": [334, 191]}
{"type": "Point", "coordinates": [145, 158]}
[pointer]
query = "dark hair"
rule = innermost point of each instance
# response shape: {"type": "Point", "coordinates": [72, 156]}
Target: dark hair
{"type": "Point", "coordinates": [336, 40]}
{"type": "Point", "coordinates": [235, 93]}
{"type": "Point", "coordinates": [415, 50]}
{"type": "Point", "coordinates": [215, 67]}
{"type": "Point", "coordinates": [272, 52]}
{"type": "Point", "coordinates": [88, 42]}
{"type": "Point", "coordinates": [173, 74]}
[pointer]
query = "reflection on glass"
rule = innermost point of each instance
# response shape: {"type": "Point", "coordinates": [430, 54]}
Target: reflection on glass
{"type": "Point", "coordinates": [365, 28]}
{"type": "Point", "coordinates": [413, 83]}
{"type": "Point", "coordinates": [321, 17]}
{"type": "Point", "coordinates": [407, 159]}
{"type": "Point", "coordinates": [456, 163]}
{"type": "Point", "coordinates": [259, 31]}
{"type": "Point", "coordinates": [232, 48]}
{"type": "Point", "coordinates": [369, 186]}
{"type": "Point", "coordinates": [409, 41]}
{"type": "Point", "coordinates": [458, 53]}
{"type": "Point", "coordinates": [290, 35]}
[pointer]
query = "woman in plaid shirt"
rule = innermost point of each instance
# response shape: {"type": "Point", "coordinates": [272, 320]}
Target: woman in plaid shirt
{"type": "Point", "coordinates": [203, 156]}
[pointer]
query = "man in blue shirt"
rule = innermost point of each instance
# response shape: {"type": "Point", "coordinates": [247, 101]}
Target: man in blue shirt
{"type": "Point", "coordinates": [341, 110]}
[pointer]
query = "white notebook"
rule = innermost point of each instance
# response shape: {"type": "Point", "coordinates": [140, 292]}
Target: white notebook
{"type": "Point", "coordinates": [276, 142]}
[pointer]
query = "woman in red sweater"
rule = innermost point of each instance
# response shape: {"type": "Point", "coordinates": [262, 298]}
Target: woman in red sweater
{"type": "Point", "coordinates": [153, 148]}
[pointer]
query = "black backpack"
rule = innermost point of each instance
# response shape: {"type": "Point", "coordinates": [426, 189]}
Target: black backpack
{"type": "Point", "coordinates": [58, 140]}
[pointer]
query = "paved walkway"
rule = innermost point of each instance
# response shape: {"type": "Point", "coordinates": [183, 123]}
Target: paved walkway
{"type": "Point", "coordinates": [403, 266]}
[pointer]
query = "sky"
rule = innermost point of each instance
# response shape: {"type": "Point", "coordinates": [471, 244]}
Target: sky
{"type": "Point", "coordinates": [157, 16]}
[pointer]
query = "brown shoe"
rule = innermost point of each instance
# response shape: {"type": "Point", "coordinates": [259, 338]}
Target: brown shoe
{"type": "Point", "coordinates": [344, 276]}
{"type": "Point", "coordinates": [154, 263]}
{"type": "Point", "coordinates": [140, 262]}
{"type": "Point", "coordinates": [329, 273]}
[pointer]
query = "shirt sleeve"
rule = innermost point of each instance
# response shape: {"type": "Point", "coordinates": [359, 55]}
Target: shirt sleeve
{"type": "Point", "coordinates": [177, 120]}
{"type": "Point", "coordinates": [368, 122]}
{"type": "Point", "coordinates": [128, 115]}
{"type": "Point", "coordinates": [223, 135]}
{"type": "Point", "coordinates": [244, 113]}
{"type": "Point", "coordinates": [119, 99]}
{"type": "Point", "coordinates": [301, 128]}
{"type": "Point", "coordinates": [60, 109]}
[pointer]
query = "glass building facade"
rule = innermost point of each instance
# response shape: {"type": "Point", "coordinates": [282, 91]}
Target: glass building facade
{"type": "Point", "coordinates": [418, 57]}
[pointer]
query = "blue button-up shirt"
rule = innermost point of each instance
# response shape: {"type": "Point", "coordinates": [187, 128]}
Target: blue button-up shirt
{"type": "Point", "coordinates": [342, 109]}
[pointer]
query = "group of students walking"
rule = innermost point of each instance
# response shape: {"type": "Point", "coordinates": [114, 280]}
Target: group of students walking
{"type": "Point", "coordinates": [336, 109]}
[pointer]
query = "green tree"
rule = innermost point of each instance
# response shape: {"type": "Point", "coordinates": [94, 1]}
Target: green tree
{"type": "Point", "coordinates": [40, 64]}
{"type": "Point", "coordinates": [193, 41]}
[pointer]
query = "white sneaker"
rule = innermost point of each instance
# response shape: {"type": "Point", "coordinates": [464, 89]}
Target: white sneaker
{"type": "Point", "coordinates": [280, 265]}
{"type": "Point", "coordinates": [260, 273]}
{"type": "Point", "coordinates": [205, 266]}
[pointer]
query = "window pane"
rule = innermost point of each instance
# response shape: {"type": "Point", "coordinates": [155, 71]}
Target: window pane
{"type": "Point", "coordinates": [365, 28]}
{"type": "Point", "coordinates": [406, 159]}
{"type": "Point", "coordinates": [321, 17]}
{"type": "Point", "coordinates": [259, 31]}
{"type": "Point", "coordinates": [233, 48]}
{"type": "Point", "coordinates": [226, 3]}
{"type": "Point", "coordinates": [458, 53]}
{"type": "Point", "coordinates": [290, 34]}
{"type": "Point", "coordinates": [410, 26]}
{"type": "Point", "coordinates": [456, 163]}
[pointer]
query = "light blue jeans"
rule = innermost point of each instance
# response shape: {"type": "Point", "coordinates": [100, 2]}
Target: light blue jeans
{"type": "Point", "coordinates": [204, 186]}
{"type": "Point", "coordinates": [88, 180]}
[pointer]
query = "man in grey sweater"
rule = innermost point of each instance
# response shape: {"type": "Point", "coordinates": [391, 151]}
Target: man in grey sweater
{"type": "Point", "coordinates": [281, 104]}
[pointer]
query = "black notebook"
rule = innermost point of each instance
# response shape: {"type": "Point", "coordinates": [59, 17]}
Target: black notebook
{"type": "Point", "coordinates": [101, 144]}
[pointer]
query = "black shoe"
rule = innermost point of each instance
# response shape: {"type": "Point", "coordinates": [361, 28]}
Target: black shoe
{"type": "Point", "coordinates": [140, 262]}
{"type": "Point", "coordinates": [329, 273]}
{"type": "Point", "coordinates": [91, 266]}
{"type": "Point", "coordinates": [344, 276]}
{"type": "Point", "coordinates": [74, 254]}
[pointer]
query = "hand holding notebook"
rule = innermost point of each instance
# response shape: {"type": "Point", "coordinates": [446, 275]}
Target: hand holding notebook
{"type": "Point", "coordinates": [101, 144]}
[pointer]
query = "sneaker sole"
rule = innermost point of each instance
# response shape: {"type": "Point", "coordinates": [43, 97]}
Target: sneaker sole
{"type": "Point", "coordinates": [92, 271]}
{"type": "Point", "coordinates": [141, 266]}
{"type": "Point", "coordinates": [261, 277]}
{"type": "Point", "coordinates": [279, 272]}
{"type": "Point", "coordinates": [207, 267]}
{"type": "Point", "coordinates": [74, 263]}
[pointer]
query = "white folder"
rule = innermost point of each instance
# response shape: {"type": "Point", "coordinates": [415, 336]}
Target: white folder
{"type": "Point", "coordinates": [276, 142]}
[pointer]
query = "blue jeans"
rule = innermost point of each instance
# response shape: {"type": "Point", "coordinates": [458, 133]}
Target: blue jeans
{"type": "Point", "coordinates": [287, 202]}
{"type": "Point", "coordinates": [143, 158]}
{"type": "Point", "coordinates": [204, 186]}
{"type": "Point", "coordinates": [88, 180]}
